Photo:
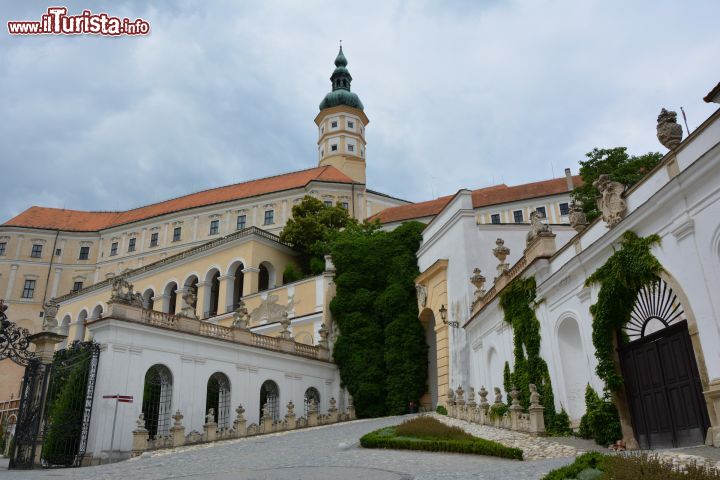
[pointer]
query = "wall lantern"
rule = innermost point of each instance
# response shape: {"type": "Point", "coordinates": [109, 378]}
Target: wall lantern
{"type": "Point", "coordinates": [443, 316]}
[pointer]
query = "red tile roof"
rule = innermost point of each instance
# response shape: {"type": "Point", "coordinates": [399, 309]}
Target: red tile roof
{"type": "Point", "coordinates": [81, 221]}
{"type": "Point", "coordinates": [482, 197]}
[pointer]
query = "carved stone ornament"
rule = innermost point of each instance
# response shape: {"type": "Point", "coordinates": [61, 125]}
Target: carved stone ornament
{"type": "Point", "coordinates": [515, 395]}
{"type": "Point", "coordinates": [534, 396]}
{"type": "Point", "coordinates": [239, 411]}
{"type": "Point", "coordinates": [483, 397]}
{"type": "Point", "coordinates": [669, 132]}
{"type": "Point", "coordinates": [50, 310]}
{"type": "Point", "coordinates": [290, 408]}
{"type": "Point", "coordinates": [501, 252]}
{"type": "Point", "coordinates": [189, 301]}
{"type": "Point", "coordinates": [270, 311]}
{"type": "Point", "coordinates": [285, 323]}
{"type": "Point", "coordinates": [241, 318]}
{"type": "Point", "coordinates": [478, 280]}
{"type": "Point", "coordinates": [210, 417]}
{"type": "Point", "coordinates": [577, 217]}
{"type": "Point", "coordinates": [421, 295]}
{"type": "Point", "coordinates": [610, 202]}
{"type": "Point", "coordinates": [178, 419]}
{"type": "Point", "coordinates": [122, 292]}
{"type": "Point", "coordinates": [537, 226]}
{"type": "Point", "coordinates": [498, 395]}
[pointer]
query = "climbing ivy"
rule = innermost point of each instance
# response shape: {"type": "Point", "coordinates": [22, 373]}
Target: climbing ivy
{"type": "Point", "coordinates": [516, 301]}
{"type": "Point", "coordinates": [624, 274]}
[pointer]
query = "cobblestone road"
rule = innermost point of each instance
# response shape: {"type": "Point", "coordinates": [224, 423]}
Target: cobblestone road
{"type": "Point", "coordinates": [330, 452]}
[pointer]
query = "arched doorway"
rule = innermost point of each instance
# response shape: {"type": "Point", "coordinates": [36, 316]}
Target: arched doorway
{"type": "Point", "coordinates": [157, 400]}
{"type": "Point", "coordinates": [574, 366]}
{"type": "Point", "coordinates": [311, 394]}
{"type": "Point", "coordinates": [661, 377]}
{"type": "Point", "coordinates": [263, 278]}
{"type": "Point", "coordinates": [270, 395]}
{"type": "Point", "coordinates": [427, 318]}
{"type": "Point", "coordinates": [218, 398]}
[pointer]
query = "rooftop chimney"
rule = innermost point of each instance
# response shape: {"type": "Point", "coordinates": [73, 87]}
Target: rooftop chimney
{"type": "Point", "coordinates": [568, 177]}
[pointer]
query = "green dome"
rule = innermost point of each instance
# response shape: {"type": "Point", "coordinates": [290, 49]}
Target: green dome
{"type": "Point", "coordinates": [341, 94]}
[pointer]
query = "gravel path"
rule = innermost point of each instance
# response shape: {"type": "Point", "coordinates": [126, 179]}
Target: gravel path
{"type": "Point", "coordinates": [322, 453]}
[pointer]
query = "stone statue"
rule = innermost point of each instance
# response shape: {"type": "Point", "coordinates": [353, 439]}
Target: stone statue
{"type": "Point", "coordinates": [323, 332]}
{"type": "Point", "coordinates": [333, 404]}
{"type": "Point", "coordinates": [285, 323]}
{"type": "Point", "coordinates": [50, 310]}
{"type": "Point", "coordinates": [140, 421]}
{"type": "Point", "coordinates": [498, 396]}
{"type": "Point", "coordinates": [189, 301]}
{"type": "Point", "coordinates": [578, 220]}
{"type": "Point", "coordinates": [610, 202]}
{"type": "Point", "coordinates": [269, 310]}
{"type": "Point", "coordinates": [241, 317]}
{"type": "Point", "coordinates": [669, 132]}
{"type": "Point", "coordinates": [265, 411]}
{"type": "Point", "coordinates": [290, 408]}
{"type": "Point", "coordinates": [210, 417]}
{"type": "Point", "coordinates": [537, 226]}
{"type": "Point", "coordinates": [421, 295]}
{"type": "Point", "coordinates": [471, 397]}
{"type": "Point", "coordinates": [501, 252]}
{"type": "Point", "coordinates": [534, 396]}
{"type": "Point", "coordinates": [515, 395]}
{"type": "Point", "coordinates": [450, 396]}
{"type": "Point", "coordinates": [122, 292]}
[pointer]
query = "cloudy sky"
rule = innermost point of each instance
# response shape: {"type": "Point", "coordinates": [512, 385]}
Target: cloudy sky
{"type": "Point", "coordinates": [459, 93]}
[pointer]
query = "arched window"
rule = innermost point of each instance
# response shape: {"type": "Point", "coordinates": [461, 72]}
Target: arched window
{"type": "Point", "coordinates": [148, 302]}
{"type": "Point", "coordinates": [573, 362]}
{"type": "Point", "coordinates": [311, 394]}
{"type": "Point", "coordinates": [171, 298]}
{"type": "Point", "coordinates": [157, 400]}
{"type": "Point", "coordinates": [80, 327]}
{"type": "Point", "coordinates": [270, 396]}
{"type": "Point", "coordinates": [97, 312]}
{"type": "Point", "coordinates": [191, 283]}
{"type": "Point", "coordinates": [263, 278]}
{"type": "Point", "coordinates": [218, 398]}
{"type": "Point", "coordinates": [236, 286]}
{"type": "Point", "coordinates": [214, 296]}
{"type": "Point", "coordinates": [65, 325]}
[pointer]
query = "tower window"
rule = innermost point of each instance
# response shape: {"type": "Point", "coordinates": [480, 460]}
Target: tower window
{"type": "Point", "coordinates": [269, 217]}
{"type": "Point", "coordinates": [77, 286]}
{"type": "Point", "coordinates": [36, 251]}
{"type": "Point", "coordinates": [333, 148]}
{"type": "Point", "coordinates": [495, 218]}
{"type": "Point", "coordinates": [351, 125]}
{"type": "Point", "coordinates": [351, 148]}
{"type": "Point", "coordinates": [564, 209]}
{"type": "Point", "coordinates": [84, 253]}
{"type": "Point", "coordinates": [328, 203]}
{"type": "Point", "coordinates": [113, 249]}
{"type": "Point", "coordinates": [542, 211]}
{"type": "Point", "coordinates": [154, 239]}
{"type": "Point", "coordinates": [345, 205]}
{"type": "Point", "coordinates": [177, 233]}
{"type": "Point", "coordinates": [28, 289]}
{"type": "Point", "coordinates": [333, 124]}
{"type": "Point", "coordinates": [3, 245]}
{"type": "Point", "coordinates": [241, 222]}
{"type": "Point", "coordinates": [518, 216]}
{"type": "Point", "coordinates": [131, 244]}
{"type": "Point", "coordinates": [214, 227]}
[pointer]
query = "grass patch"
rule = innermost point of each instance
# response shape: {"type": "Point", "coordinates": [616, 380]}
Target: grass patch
{"type": "Point", "coordinates": [429, 434]}
{"type": "Point", "coordinates": [595, 465]}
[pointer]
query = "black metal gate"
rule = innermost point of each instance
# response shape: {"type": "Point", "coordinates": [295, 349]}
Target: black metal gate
{"type": "Point", "coordinates": [661, 376]}
{"type": "Point", "coordinates": [55, 407]}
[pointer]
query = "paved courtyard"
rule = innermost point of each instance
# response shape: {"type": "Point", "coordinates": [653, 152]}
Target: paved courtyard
{"type": "Point", "coordinates": [330, 452]}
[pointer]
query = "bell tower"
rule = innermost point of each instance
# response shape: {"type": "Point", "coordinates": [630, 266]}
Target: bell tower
{"type": "Point", "coordinates": [341, 125]}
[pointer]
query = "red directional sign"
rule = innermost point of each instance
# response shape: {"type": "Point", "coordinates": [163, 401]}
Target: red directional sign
{"type": "Point", "coordinates": [121, 398]}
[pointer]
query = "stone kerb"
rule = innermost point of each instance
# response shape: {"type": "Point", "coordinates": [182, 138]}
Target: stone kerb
{"type": "Point", "coordinates": [514, 419]}
{"type": "Point", "coordinates": [240, 429]}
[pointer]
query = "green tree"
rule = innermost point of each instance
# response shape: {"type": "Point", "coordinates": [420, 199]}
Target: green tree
{"type": "Point", "coordinates": [381, 350]}
{"type": "Point", "coordinates": [618, 164]}
{"type": "Point", "coordinates": [311, 229]}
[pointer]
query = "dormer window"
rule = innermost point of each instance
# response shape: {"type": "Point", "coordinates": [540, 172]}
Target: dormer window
{"type": "Point", "coordinates": [351, 148]}
{"type": "Point", "coordinates": [351, 125]}
{"type": "Point", "coordinates": [333, 124]}
{"type": "Point", "coordinates": [333, 148]}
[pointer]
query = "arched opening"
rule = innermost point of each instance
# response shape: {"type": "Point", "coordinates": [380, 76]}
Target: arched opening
{"type": "Point", "coordinates": [170, 298]}
{"type": "Point", "coordinates": [213, 297]}
{"type": "Point", "coordinates": [311, 395]}
{"type": "Point", "coordinates": [218, 398]}
{"type": "Point", "coordinates": [157, 400]}
{"type": "Point", "coordinates": [65, 325]}
{"type": "Point", "coordinates": [191, 284]}
{"type": "Point", "coordinates": [270, 396]}
{"type": "Point", "coordinates": [148, 302]}
{"type": "Point", "coordinates": [97, 312]}
{"type": "Point", "coordinates": [495, 370]}
{"type": "Point", "coordinates": [427, 318]}
{"type": "Point", "coordinates": [235, 287]}
{"type": "Point", "coordinates": [263, 278]}
{"type": "Point", "coordinates": [574, 366]}
{"type": "Point", "coordinates": [80, 327]}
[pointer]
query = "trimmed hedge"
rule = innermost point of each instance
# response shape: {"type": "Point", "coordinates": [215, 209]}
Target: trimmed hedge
{"type": "Point", "coordinates": [581, 463]}
{"type": "Point", "coordinates": [441, 410]}
{"type": "Point", "coordinates": [385, 438]}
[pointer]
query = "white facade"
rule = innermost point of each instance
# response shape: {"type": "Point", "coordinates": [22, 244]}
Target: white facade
{"type": "Point", "coordinates": [129, 349]}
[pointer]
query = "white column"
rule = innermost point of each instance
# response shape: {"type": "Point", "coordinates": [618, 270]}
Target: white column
{"type": "Point", "coordinates": [165, 241]}
{"type": "Point", "coordinates": [195, 228]}
{"type": "Point", "coordinates": [284, 212]}
{"type": "Point", "coordinates": [142, 242]}
{"type": "Point", "coordinates": [18, 248]}
{"type": "Point", "coordinates": [56, 283]}
{"type": "Point", "coordinates": [11, 282]}
{"type": "Point", "coordinates": [254, 215]}
{"type": "Point", "coordinates": [226, 227]}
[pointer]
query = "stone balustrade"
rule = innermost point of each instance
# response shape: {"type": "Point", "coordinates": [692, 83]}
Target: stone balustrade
{"type": "Point", "coordinates": [131, 313]}
{"type": "Point", "coordinates": [240, 429]}
{"type": "Point", "coordinates": [513, 419]}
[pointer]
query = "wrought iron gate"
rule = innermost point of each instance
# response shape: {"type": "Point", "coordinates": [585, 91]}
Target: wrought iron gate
{"type": "Point", "coordinates": [661, 376]}
{"type": "Point", "coordinates": [55, 407]}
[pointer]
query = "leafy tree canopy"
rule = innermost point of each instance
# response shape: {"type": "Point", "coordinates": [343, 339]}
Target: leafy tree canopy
{"type": "Point", "coordinates": [619, 165]}
{"type": "Point", "coordinates": [311, 229]}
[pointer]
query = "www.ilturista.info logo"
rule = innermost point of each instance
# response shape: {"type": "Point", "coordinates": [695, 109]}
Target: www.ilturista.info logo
{"type": "Point", "coordinates": [57, 22]}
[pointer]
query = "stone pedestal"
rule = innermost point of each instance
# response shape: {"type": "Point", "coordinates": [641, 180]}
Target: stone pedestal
{"type": "Point", "coordinates": [266, 424]}
{"type": "Point", "coordinates": [537, 419]}
{"type": "Point", "coordinates": [290, 419]}
{"type": "Point", "coordinates": [312, 420]}
{"type": "Point", "coordinates": [712, 394]}
{"type": "Point", "coordinates": [240, 424]}
{"type": "Point", "coordinates": [210, 432]}
{"type": "Point", "coordinates": [332, 411]}
{"type": "Point", "coordinates": [140, 437]}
